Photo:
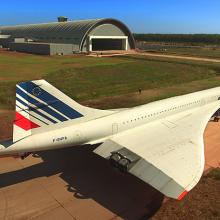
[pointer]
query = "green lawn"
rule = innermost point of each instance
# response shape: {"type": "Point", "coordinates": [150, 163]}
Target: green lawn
{"type": "Point", "coordinates": [97, 81]}
{"type": "Point", "coordinates": [87, 78]}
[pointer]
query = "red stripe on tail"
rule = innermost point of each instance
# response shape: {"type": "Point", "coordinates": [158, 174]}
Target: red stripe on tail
{"type": "Point", "coordinates": [24, 123]}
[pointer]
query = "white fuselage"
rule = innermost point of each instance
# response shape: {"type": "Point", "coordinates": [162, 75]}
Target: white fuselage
{"type": "Point", "coordinates": [100, 129]}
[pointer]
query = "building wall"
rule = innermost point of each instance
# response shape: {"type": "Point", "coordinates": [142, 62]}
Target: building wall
{"type": "Point", "coordinates": [64, 49]}
{"type": "Point", "coordinates": [105, 30]}
{"type": "Point", "coordinates": [43, 48]}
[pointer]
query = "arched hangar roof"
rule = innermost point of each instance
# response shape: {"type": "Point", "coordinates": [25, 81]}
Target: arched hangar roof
{"type": "Point", "coordinates": [79, 30]}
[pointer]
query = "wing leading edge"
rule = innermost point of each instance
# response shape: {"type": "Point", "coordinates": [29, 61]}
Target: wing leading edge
{"type": "Point", "coordinates": [171, 151]}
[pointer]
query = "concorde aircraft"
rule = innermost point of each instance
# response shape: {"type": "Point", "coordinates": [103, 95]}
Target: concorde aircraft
{"type": "Point", "coordinates": [161, 143]}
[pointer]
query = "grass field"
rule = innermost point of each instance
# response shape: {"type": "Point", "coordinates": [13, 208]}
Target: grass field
{"type": "Point", "coordinates": [113, 83]}
{"type": "Point", "coordinates": [91, 80]}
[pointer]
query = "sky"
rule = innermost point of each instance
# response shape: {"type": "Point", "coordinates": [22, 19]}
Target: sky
{"type": "Point", "coordinates": [141, 16]}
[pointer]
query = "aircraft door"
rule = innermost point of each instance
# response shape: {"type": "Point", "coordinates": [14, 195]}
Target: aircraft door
{"type": "Point", "coordinates": [114, 128]}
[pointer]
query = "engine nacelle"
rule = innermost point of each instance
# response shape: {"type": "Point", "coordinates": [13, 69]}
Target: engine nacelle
{"type": "Point", "coordinates": [123, 159]}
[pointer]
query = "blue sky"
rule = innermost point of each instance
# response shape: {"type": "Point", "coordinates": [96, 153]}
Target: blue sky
{"type": "Point", "coordinates": [142, 16]}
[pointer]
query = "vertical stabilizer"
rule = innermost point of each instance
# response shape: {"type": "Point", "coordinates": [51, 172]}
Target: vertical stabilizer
{"type": "Point", "coordinates": [39, 105]}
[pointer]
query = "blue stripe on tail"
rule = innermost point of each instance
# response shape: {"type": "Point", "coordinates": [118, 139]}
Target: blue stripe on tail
{"type": "Point", "coordinates": [40, 105]}
{"type": "Point", "coordinates": [30, 114]}
{"type": "Point", "coordinates": [51, 100]}
{"type": "Point", "coordinates": [36, 111]}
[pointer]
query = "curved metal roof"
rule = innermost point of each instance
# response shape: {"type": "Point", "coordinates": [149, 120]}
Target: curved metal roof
{"type": "Point", "coordinates": [77, 29]}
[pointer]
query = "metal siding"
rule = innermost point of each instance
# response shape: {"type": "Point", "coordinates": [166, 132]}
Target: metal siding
{"type": "Point", "coordinates": [73, 29]}
{"type": "Point", "coordinates": [107, 30]}
{"type": "Point", "coordinates": [43, 49]}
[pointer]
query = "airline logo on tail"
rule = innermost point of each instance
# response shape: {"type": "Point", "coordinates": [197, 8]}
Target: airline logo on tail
{"type": "Point", "coordinates": [36, 107]}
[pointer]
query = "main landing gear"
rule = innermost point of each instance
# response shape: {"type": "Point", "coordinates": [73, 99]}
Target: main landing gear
{"type": "Point", "coordinates": [216, 119]}
{"type": "Point", "coordinates": [25, 155]}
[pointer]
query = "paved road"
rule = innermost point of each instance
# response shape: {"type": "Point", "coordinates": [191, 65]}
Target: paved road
{"type": "Point", "coordinates": [181, 57]}
{"type": "Point", "coordinates": [109, 54]}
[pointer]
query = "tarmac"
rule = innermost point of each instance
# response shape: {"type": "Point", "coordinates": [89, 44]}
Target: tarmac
{"type": "Point", "coordinates": [75, 183]}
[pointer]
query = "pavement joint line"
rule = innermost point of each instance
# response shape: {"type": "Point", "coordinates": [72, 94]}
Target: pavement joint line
{"type": "Point", "coordinates": [211, 166]}
{"type": "Point", "coordinates": [38, 215]}
{"type": "Point", "coordinates": [59, 203]}
{"type": "Point", "coordinates": [20, 163]}
{"type": "Point", "coordinates": [6, 204]}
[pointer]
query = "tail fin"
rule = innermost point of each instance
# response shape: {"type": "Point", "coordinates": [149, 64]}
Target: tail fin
{"type": "Point", "coordinates": [39, 104]}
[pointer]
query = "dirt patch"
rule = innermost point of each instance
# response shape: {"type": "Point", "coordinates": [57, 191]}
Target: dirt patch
{"type": "Point", "coordinates": [203, 202]}
{"type": "Point", "coordinates": [6, 125]}
{"type": "Point", "coordinates": [3, 78]}
{"type": "Point", "coordinates": [13, 53]}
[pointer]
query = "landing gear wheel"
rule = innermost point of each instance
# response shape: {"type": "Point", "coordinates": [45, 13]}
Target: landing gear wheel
{"type": "Point", "coordinates": [216, 119]}
{"type": "Point", "coordinates": [25, 155]}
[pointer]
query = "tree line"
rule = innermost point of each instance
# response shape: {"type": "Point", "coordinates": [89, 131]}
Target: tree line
{"type": "Point", "coordinates": [193, 39]}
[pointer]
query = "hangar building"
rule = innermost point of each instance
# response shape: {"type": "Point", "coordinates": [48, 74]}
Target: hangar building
{"type": "Point", "coordinates": [67, 37]}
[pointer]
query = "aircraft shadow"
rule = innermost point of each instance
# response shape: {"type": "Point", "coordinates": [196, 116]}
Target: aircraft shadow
{"type": "Point", "coordinates": [89, 176]}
